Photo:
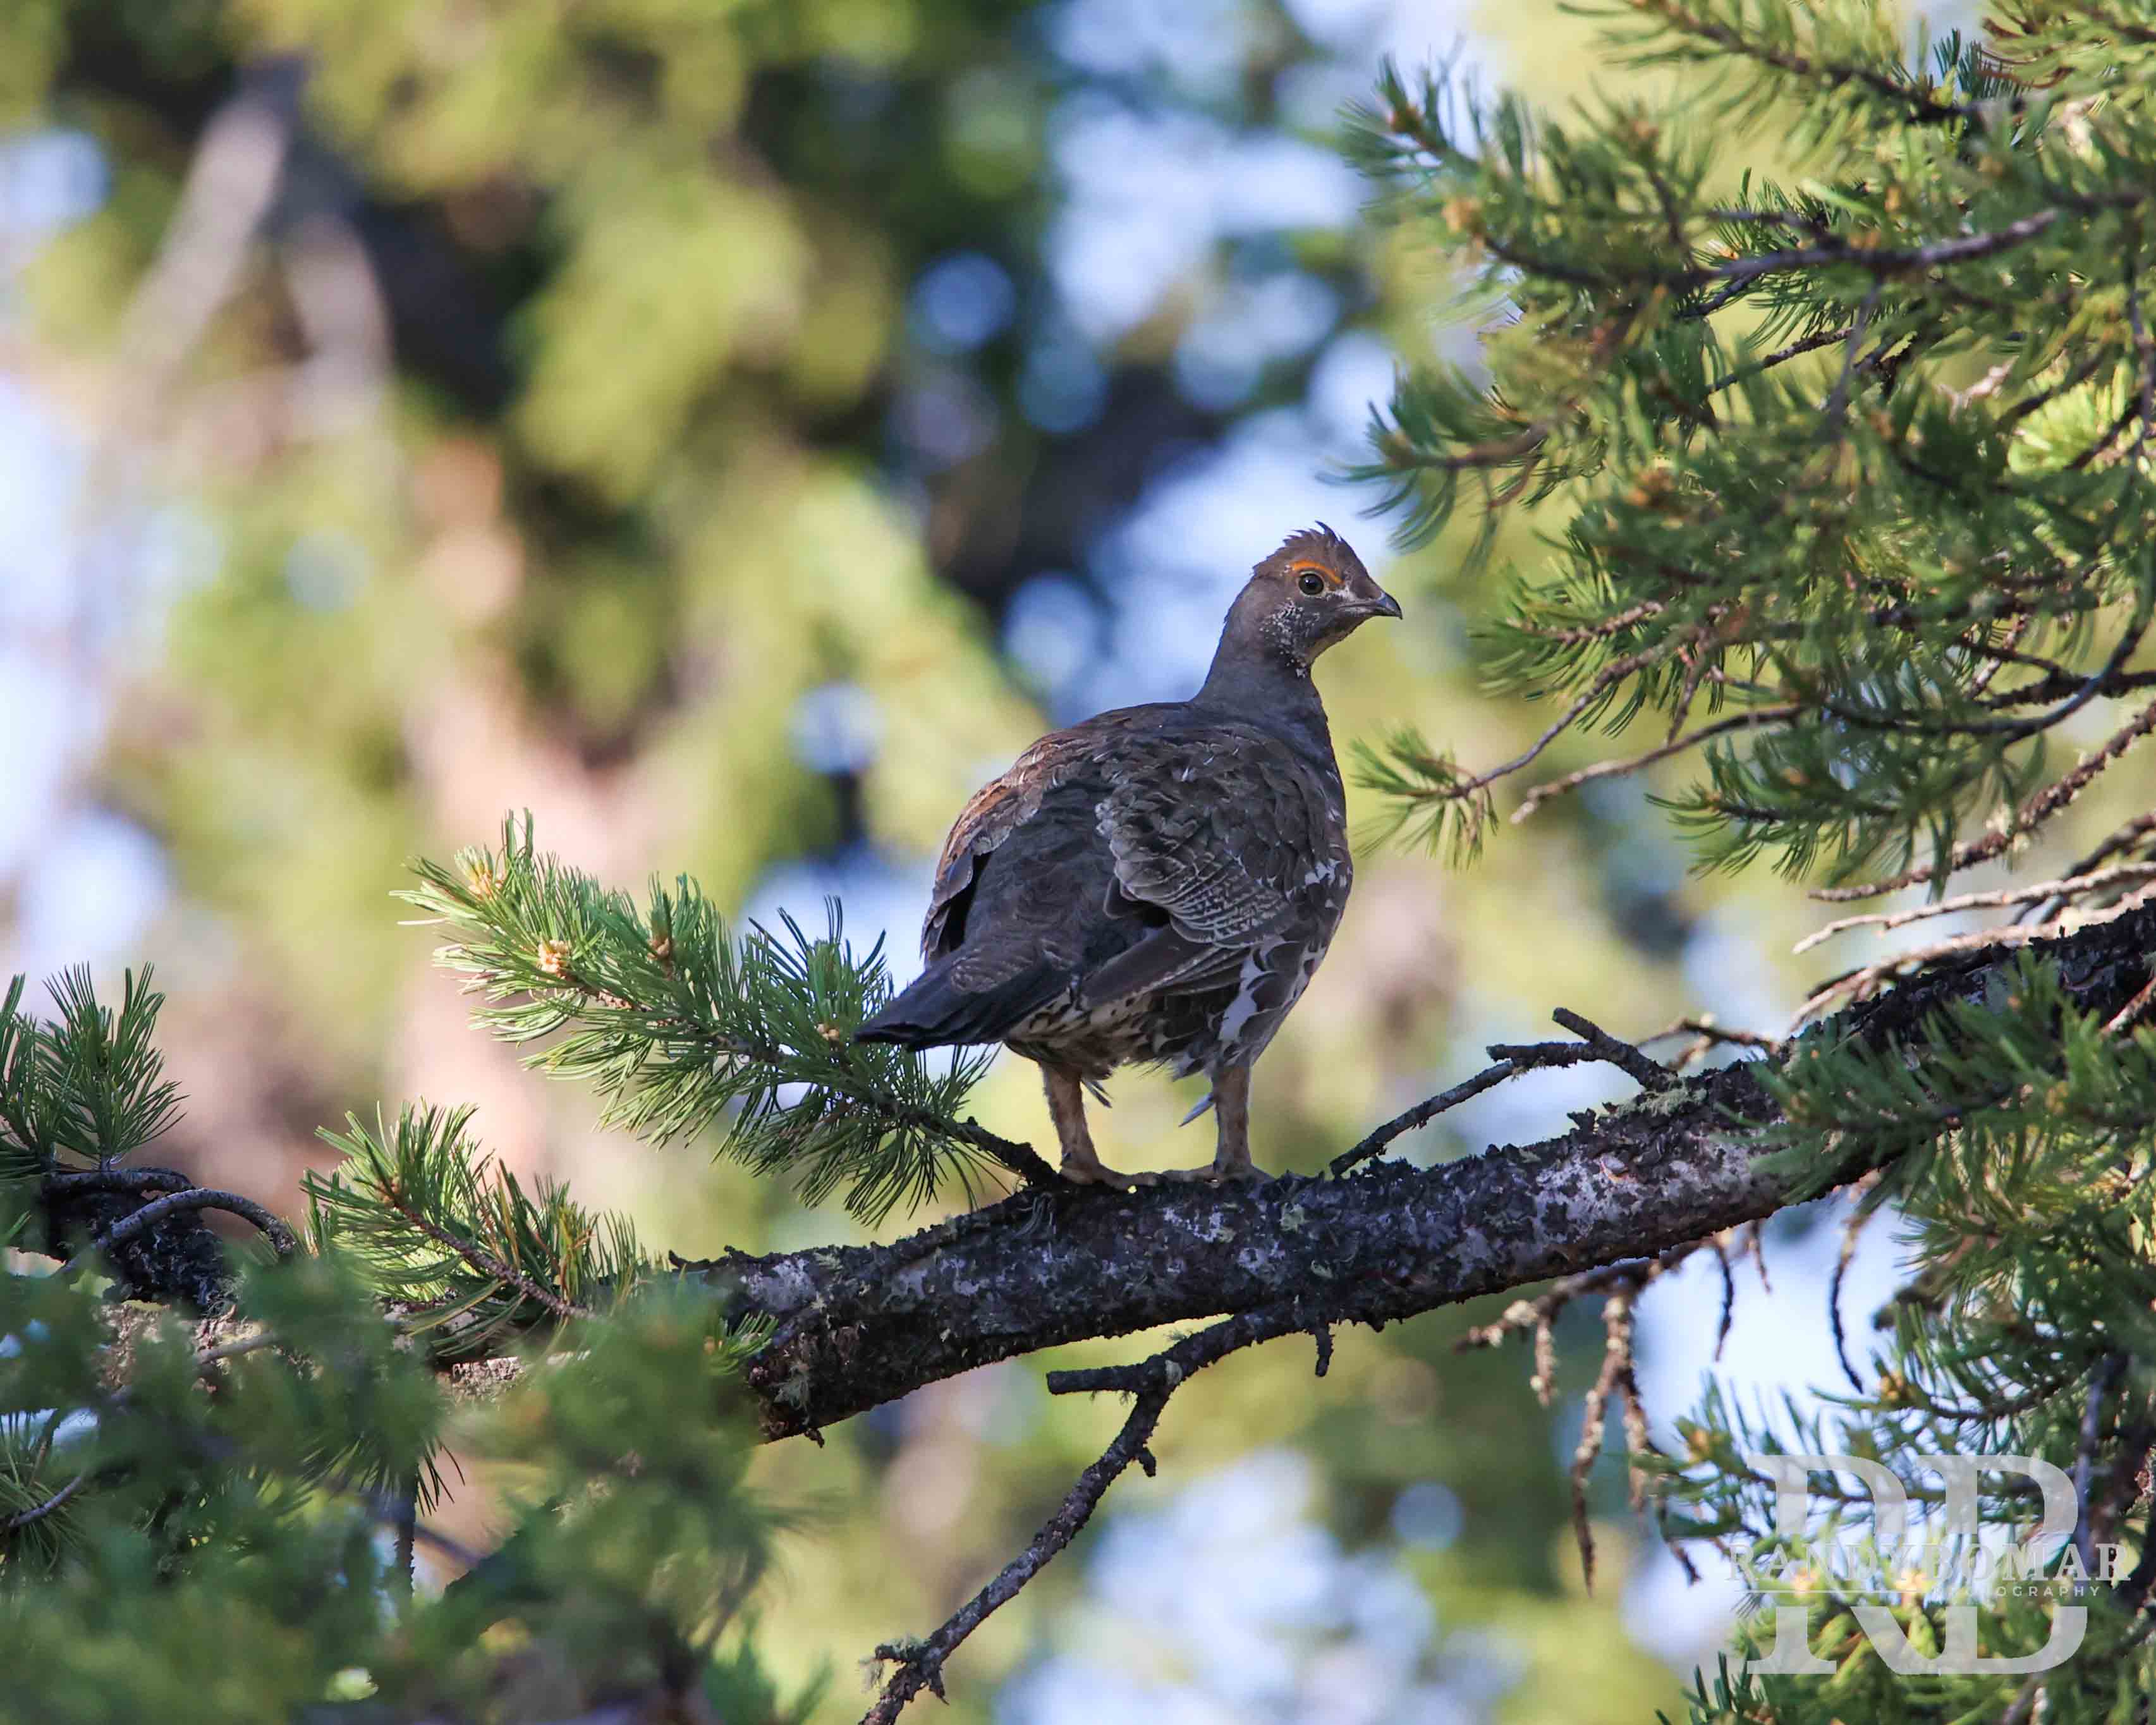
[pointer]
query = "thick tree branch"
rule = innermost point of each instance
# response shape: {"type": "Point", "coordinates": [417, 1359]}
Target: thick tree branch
{"type": "Point", "coordinates": [860, 1326]}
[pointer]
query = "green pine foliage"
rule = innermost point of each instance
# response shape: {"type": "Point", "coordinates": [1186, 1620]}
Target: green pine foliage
{"type": "Point", "coordinates": [681, 1025]}
{"type": "Point", "coordinates": [1847, 469]}
{"type": "Point", "coordinates": [86, 1087]}
{"type": "Point", "coordinates": [219, 1521]}
{"type": "Point", "coordinates": [452, 1238]}
{"type": "Point", "coordinates": [1844, 480]}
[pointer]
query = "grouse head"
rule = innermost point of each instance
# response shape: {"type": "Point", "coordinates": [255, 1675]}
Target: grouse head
{"type": "Point", "coordinates": [1310, 594]}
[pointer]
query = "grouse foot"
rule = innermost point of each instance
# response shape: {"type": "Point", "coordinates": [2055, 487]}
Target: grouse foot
{"type": "Point", "coordinates": [1088, 1170]}
{"type": "Point", "coordinates": [1235, 1172]}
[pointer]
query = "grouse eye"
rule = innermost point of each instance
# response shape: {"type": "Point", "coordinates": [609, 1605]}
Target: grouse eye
{"type": "Point", "coordinates": [1312, 583]}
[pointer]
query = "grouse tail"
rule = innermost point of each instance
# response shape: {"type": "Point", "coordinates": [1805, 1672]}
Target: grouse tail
{"type": "Point", "coordinates": [935, 1012]}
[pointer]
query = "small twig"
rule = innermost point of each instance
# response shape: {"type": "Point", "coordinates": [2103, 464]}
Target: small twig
{"type": "Point", "coordinates": [194, 1197]}
{"type": "Point", "coordinates": [2123, 837]}
{"type": "Point", "coordinates": [2145, 404]}
{"type": "Point", "coordinates": [1421, 1115]}
{"type": "Point", "coordinates": [1851, 1229]}
{"type": "Point", "coordinates": [2073, 379]}
{"type": "Point", "coordinates": [406, 1523]}
{"type": "Point", "coordinates": [1578, 634]}
{"type": "Point", "coordinates": [1607, 678]}
{"type": "Point", "coordinates": [2124, 1017]}
{"type": "Point", "coordinates": [1151, 1382]}
{"type": "Point", "coordinates": [401, 1513]}
{"type": "Point", "coordinates": [2062, 888]}
{"type": "Point", "coordinates": [37, 1512]}
{"type": "Point", "coordinates": [1858, 983]}
{"type": "Point", "coordinates": [1616, 1370]}
{"type": "Point", "coordinates": [1511, 1059]}
{"type": "Point", "coordinates": [1802, 345]}
{"type": "Point", "coordinates": [1708, 1030]}
{"type": "Point", "coordinates": [1728, 1298]}
{"type": "Point", "coordinates": [485, 1261]}
{"type": "Point", "coordinates": [1755, 1242]}
{"type": "Point", "coordinates": [1538, 1317]}
{"type": "Point", "coordinates": [1752, 719]}
{"type": "Point", "coordinates": [1021, 1159]}
{"type": "Point", "coordinates": [2109, 1370]}
{"type": "Point", "coordinates": [1596, 1045]}
{"type": "Point", "coordinates": [1837, 401]}
{"type": "Point", "coordinates": [1645, 1072]}
{"type": "Point", "coordinates": [232, 1350]}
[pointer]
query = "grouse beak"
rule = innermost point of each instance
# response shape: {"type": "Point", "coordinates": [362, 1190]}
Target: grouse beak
{"type": "Point", "coordinates": [1384, 605]}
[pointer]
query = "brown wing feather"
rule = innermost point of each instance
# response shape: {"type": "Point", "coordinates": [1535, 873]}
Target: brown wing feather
{"type": "Point", "coordinates": [1219, 828]}
{"type": "Point", "coordinates": [1005, 803]}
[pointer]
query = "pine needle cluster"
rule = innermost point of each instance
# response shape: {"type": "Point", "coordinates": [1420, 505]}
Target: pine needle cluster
{"type": "Point", "coordinates": [681, 1025]}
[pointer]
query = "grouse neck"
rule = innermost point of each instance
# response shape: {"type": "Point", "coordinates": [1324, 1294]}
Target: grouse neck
{"type": "Point", "coordinates": [1274, 692]}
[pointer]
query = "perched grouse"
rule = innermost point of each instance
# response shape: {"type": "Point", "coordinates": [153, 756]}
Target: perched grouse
{"type": "Point", "coordinates": [1157, 884]}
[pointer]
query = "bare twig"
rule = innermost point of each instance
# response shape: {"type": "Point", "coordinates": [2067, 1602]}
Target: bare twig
{"type": "Point", "coordinates": [1150, 1382]}
{"type": "Point", "coordinates": [1421, 1115]}
{"type": "Point", "coordinates": [1851, 1229]}
{"type": "Point", "coordinates": [1754, 719]}
{"type": "Point", "coordinates": [2064, 887]}
{"type": "Point", "coordinates": [37, 1512]}
{"type": "Point", "coordinates": [1858, 983]}
{"type": "Point", "coordinates": [1728, 1296]}
{"type": "Point", "coordinates": [2127, 1015]}
{"type": "Point", "coordinates": [1707, 1030]}
{"type": "Point", "coordinates": [1616, 1377]}
{"type": "Point", "coordinates": [1645, 1072]}
{"type": "Point", "coordinates": [2122, 838]}
{"type": "Point", "coordinates": [1512, 1059]}
{"type": "Point", "coordinates": [1595, 1045]}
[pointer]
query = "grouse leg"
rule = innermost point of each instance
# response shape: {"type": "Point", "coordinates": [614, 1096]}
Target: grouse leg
{"type": "Point", "coordinates": [1067, 1108]}
{"type": "Point", "coordinates": [1231, 1104]}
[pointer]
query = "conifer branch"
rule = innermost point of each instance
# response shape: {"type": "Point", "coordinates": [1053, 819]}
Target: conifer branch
{"type": "Point", "coordinates": [680, 1026]}
{"type": "Point", "coordinates": [1740, 36]}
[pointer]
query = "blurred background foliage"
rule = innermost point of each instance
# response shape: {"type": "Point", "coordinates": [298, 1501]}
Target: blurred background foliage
{"type": "Point", "coordinates": [731, 431]}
